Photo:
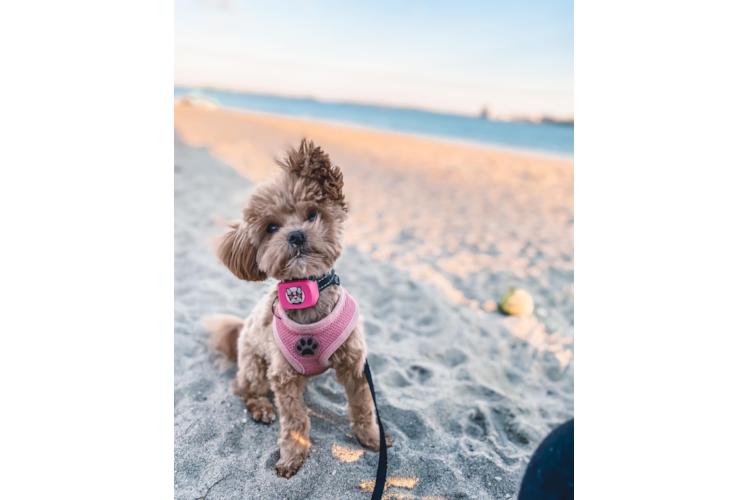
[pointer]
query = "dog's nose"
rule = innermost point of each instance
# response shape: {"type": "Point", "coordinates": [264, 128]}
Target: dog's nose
{"type": "Point", "coordinates": [297, 238]}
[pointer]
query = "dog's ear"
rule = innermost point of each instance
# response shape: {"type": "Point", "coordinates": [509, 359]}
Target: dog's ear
{"type": "Point", "coordinates": [239, 254]}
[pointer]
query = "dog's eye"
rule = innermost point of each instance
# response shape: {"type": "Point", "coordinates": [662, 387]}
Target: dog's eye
{"type": "Point", "coordinates": [272, 228]}
{"type": "Point", "coordinates": [312, 217]}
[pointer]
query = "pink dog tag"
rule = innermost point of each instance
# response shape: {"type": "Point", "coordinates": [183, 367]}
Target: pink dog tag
{"type": "Point", "coordinates": [298, 294]}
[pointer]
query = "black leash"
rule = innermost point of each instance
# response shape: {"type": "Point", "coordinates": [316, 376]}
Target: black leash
{"type": "Point", "coordinates": [382, 467]}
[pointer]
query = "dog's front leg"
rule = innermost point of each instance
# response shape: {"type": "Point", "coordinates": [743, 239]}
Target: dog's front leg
{"type": "Point", "coordinates": [251, 384]}
{"type": "Point", "coordinates": [348, 362]}
{"type": "Point", "coordinates": [288, 386]}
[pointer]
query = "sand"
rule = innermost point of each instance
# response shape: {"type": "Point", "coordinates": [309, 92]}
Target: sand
{"type": "Point", "coordinates": [438, 231]}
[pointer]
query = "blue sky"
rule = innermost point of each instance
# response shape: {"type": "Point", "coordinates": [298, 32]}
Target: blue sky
{"type": "Point", "coordinates": [516, 57]}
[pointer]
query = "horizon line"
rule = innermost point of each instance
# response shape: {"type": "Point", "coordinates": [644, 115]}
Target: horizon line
{"type": "Point", "coordinates": [537, 119]}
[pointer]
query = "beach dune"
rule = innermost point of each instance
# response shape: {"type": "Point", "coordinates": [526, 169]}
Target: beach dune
{"type": "Point", "coordinates": [438, 232]}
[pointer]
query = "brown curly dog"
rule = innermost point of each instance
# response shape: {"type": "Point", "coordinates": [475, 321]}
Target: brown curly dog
{"type": "Point", "coordinates": [306, 195]}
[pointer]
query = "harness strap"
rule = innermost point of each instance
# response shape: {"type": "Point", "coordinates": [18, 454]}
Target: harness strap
{"type": "Point", "coordinates": [382, 467]}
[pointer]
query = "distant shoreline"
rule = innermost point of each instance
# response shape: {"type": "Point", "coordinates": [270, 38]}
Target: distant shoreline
{"type": "Point", "coordinates": [534, 153]}
{"type": "Point", "coordinates": [529, 119]}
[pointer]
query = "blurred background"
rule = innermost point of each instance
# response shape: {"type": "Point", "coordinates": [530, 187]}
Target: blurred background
{"type": "Point", "coordinates": [479, 71]}
{"type": "Point", "coordinates": [453, 123]}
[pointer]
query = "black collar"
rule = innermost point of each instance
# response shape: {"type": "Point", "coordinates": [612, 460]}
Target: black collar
{"type": "Point", "coordinates": [323, 281]}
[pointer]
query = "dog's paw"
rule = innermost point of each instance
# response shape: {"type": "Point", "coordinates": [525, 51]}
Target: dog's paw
{"type": "Point", "coordinates": [388, 440]}
{"type": "Point", "coordinates": [265, 416]}
{"type": "Point", "coordinates": [288, 468]}
{"type": "Point", "coordinates": [261, 410]}
{"type": "Point", "coordinates": [371, 441]}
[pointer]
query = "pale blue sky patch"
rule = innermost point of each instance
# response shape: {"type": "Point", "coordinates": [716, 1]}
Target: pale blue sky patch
{"type": "Point", "coordinates": [515, 57]}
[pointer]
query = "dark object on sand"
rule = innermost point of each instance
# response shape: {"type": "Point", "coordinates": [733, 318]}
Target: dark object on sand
{"type": "Point", "coordinates": [550, 473]}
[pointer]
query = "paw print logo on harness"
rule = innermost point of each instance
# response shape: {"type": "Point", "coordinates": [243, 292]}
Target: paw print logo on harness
{"type": "Point", "coordinates": [295, 295]}
{"type": "Point", "coordinates": [307, 346]}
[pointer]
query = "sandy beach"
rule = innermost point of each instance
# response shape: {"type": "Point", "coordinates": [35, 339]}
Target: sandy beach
{"type": "Point", "coordinates": [438, 231]}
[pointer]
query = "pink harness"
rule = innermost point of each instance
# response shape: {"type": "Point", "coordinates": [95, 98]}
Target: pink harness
{"type": "Point", "coordinates": [308, 347]}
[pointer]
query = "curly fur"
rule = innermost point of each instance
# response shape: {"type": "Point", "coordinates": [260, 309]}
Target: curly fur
{"type": "Point", "coordinates": [310, 162]}
{"type": "Point", "coordinates": [307, 183]}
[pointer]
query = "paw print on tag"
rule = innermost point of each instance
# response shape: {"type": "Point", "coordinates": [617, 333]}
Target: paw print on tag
{"type": "Point", "coordinates": [307, 346]}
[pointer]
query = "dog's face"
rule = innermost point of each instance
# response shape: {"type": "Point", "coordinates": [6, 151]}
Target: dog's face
{"type": "Point", "coordinates": [293, 225]}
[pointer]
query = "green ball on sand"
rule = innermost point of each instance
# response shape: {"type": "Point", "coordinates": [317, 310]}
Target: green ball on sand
{"type": "Point", "coordinates": [517, 302]}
